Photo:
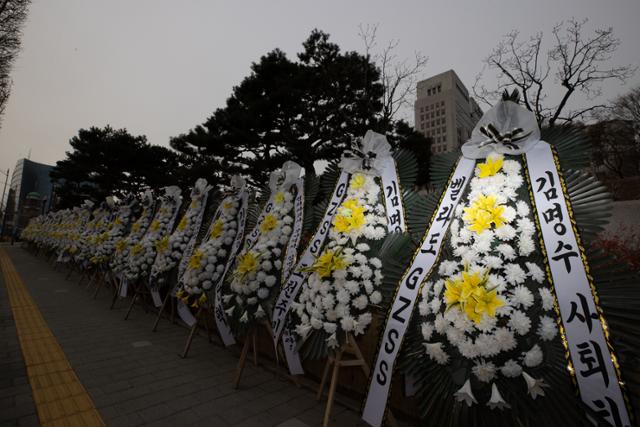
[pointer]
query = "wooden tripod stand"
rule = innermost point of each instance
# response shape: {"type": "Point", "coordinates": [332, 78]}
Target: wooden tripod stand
{"type": "Point", "coordinates": [251, 341]}
{"type": "Point", "coordinates": [338, 359]}
{"type": "Point", "coordinates": [168, 299]}
{"type": "Point", "coordinates": [201, 316]}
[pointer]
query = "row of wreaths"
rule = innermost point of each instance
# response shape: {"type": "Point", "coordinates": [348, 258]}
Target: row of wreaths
{"type": "Point", "coordinates": [325, 254]}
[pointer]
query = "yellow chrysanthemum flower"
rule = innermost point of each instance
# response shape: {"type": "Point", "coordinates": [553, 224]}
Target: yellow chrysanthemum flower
{"type": "Point", "coordinates": [483, 212]}
{"type": "Point", "coordinates": [162, 245]}
{"type": "Point", "coordinates": [487, 302]}
{"type": "Point", "coordinates": [136, 249]}
{"type": "Point", "coordinates": [279, 197]}
{"type": "Point", "coordinates": [155, 225]}
{"type": "Point", "coordinates": [327, 263]}
{"type": "Point", "coordinates": [227, 205]}
{"type": "Point", "coordinates": [357, 181]}
{"type": "Point", "coordinates": [195, 262]}
{"type": "Point", "coordinates": [135, 227]}
{"type": "Point", "coordinates": [268, 223]}
{"type": "Point", "coordinates": [248, 263]}
{"type": "Point", "coordinates": [120, 245]}
{"type": "Point", "coordinates": [216, 230]}
{"type": "Point", "coordinates": [203, 299]}
{"type": "Point", "coordinates": [490, 167]}
{"type": "Point", "coordinates": [350, 216]}
{"type": "Point", "coordinates": [458, 291]}
{"type": "Point", "coordinates": [469, 293]}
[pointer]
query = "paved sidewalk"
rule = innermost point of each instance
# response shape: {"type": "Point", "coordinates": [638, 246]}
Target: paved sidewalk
{"type": "Point", "coordinates": [16, 399]}
{"type": "Point", "coordinates": [135, 376]}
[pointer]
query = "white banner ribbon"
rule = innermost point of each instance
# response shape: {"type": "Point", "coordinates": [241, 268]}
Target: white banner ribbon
{"type": "Point", "coordinates": [185, 314]}
{"type": "Point", "coordinates": [253, 235]}
{"type": "Point", "coordinates": [591, 355]}
{"type": "Point", "coordinates": [311, 252]}
{"type": "Point", "coordinates": [188, 251]}
{"type": "Point", "coordinates": [294, 240]}
{"type": "Point", "coordinates": [407, 293]}
{"type": "Point", "coordinates": [218, 312]}
{"type": "Point", "coordinates": [392, 197]}
{"type": "Point", "coordinates": [124, 287]}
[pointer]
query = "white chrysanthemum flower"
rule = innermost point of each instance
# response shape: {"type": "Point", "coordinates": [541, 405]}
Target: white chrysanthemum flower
{"type": "Point", "coordinates": [505, 339]}
{"type": "Point", "coordinates": [526, 245]}
{"type": "Point", "coordinates": [361, 302]}
{"type": "Point", "coordinates": [362, 247]}
{"type": "Point", "coordinates": [514, 274]}
{"type": "Point", "coordinates": [440, 323]}
{"type": "Point", "coordinates": [509, 214]}
{"type": "Point", "coordinates": [423, 306]}
{"type": "Point", "coordinates": [329, 328]}
{"type": "Point", "coordinates": [436, 353]}
{"type": "Point", "coordinates": [526, 226]}
{"type": "Point", "coordinates": [484, 371]}
{"type": "Point", "coordinates": [506, 251]}
{"type": "Point", "coordinates": [487, 345]}
{"type": "Point", "coordinates": [270, 281]}
{"type": "Point", "coordinates": [535, 272]}
{"type": "Point", "coordinates": [435, 304]}
{"type": "Point", "coordinates": [437, 287]}
{"type": "Point", "coordinates": [365, 319]}
{"type": "Point", "coordinates": [343, 296]}
{"type": "Point", "coordinates": [533, 357]}
{"type": "Point", "coordinates": [547, 329]}
{"type": "Point", "coordinates": [522, 208]}
{"type": "Point", "coordinates": [263, 293]}
{"type": "Point", "coordinates": [487, 323]}
{"type": "Point", "coordinates": [519, 322]}
{"type": "Point", "coordinates": [347, 323]}
{"type": "Point", "coordinates": [427, 330]}
{"type": "Point", "coordinates": [506, 232]}
{"type": "Point", "coordinates": [492, 262]}
{"type": "Point", "coordinates": [448, 268]}
{"type": "Point", "coordinates": [547, 299]}
{"type": "Point", "coordinates": [521, 297]}
{"type": "Point", "coordinates": [376, 297]}
{"type": "Point", "coordinates": [455, 335]}
{"type": "Point", "coordinates": [465, 235]}
{"type": "Point", "coordinates": [468, 349]}
{"type": "Point", "coordinates": [511, 167]}
{"type": "Point", "coordinates": [511, 369]}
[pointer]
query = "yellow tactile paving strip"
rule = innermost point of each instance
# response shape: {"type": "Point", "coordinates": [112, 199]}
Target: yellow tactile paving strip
{"type": "Point", "coordinates": [60, 398]}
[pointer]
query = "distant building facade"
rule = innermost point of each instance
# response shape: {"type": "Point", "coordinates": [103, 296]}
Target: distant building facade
{"type": "Point", "coordinates": [30, 193]}
{"type": "Point", "coordinates": [445, 112]}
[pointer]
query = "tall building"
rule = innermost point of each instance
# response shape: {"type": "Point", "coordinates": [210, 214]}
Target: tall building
{"type": "Point", "coordinates": [445, 112]}
{"type": "Point", "coordinates": [30, 181]}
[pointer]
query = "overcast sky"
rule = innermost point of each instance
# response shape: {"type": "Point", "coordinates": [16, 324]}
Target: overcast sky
{"type": "Point", "coordinates": [159, 68]}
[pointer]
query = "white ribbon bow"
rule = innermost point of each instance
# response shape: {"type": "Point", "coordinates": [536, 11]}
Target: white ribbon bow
{"type": "Point", "coordinates": [285, 177]}
{"type": "Point", "coordinates": [368, 154]}
{"type": "Point", "coordinates": [506, 128]}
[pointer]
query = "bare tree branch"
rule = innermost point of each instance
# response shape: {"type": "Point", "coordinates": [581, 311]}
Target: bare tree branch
{"type": "Point", "coordinates": [12, 15]}
{"type": "Point", "coordinates": [399, 77]}
{"type": "Point", "coordinates": [577, 61]}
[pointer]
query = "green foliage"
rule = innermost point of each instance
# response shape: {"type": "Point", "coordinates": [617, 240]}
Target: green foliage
{"type": "Point", "coordinates": [107, 162]}
{"type": "Point", "coordinates": [305, 110]}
